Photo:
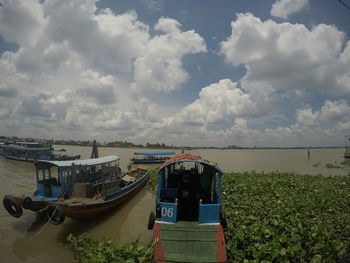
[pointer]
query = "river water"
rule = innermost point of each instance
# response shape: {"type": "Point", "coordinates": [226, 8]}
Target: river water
{"type": "Point", "coordinates": [30, 239]}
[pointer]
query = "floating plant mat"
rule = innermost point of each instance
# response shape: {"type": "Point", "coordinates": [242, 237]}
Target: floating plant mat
{"type": "Point", "coordinates": [286, 218]}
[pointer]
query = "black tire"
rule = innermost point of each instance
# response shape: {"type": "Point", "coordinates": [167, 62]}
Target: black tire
{"type": "Point", "coordinates": [55, 214]}
{"type": "Point", "coordinates": [12, 206]}
{"type": "Point", "coordinates": [27, 203]}
{"type": "Point", "coordinates": [151, 220]}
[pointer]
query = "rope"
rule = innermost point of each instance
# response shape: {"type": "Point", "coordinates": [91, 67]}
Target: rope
{"type": "Point", "coordinates": [155, 241]}
{"type": "Point", "coordinates": [42, 210]}
{"type": "Point", "coordinates": [46, 222]}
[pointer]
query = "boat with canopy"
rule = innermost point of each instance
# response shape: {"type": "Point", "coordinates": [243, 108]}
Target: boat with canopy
{"type": "Point", "coordinates": [151, 157]}
{"type": "Point", "coordinates": [79, 189]}
{"type": "Point", "coordinates": [187, 222]}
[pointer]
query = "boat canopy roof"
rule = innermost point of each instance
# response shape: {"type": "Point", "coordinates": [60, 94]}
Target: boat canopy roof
{"type": "Point", "coordinates": [154, 153]}
{"type": "Point", "coordinates": [88, 162]}
{"type": "Point", "coordinates": [188, 157]}
{"type": "Point", "coordinates": [20, 147]}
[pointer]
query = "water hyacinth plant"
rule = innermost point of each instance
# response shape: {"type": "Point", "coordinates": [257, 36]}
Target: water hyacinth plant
{"type": "Point", "coordinates": [88, 250]}
{"type": "Point", "coordinates": [271, 217]}
{"type": "Point", "coordinates": [279, 217]}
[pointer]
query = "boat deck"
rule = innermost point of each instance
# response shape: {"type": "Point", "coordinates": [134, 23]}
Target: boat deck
{"type": "Point", "coordinates": [189, 242]}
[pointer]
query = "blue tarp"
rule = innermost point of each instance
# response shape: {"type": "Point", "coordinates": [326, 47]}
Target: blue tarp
{"type": "Point", "coordinates": [154, 153]}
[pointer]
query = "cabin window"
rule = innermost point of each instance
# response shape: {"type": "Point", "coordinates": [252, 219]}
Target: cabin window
{"type": "Point", "coordinates": [41, 175]}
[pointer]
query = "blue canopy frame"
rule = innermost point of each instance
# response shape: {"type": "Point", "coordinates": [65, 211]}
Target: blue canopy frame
{"type": "Point", "coordinates": [209, 213]}
{"type": "Point", "coordinates": [155, 153]}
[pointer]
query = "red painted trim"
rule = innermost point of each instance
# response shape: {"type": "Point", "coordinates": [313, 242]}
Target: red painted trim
{"type": "Point", "coordinates": [221, 254]}
{"type": "Point", "coordinates": [158, 247]}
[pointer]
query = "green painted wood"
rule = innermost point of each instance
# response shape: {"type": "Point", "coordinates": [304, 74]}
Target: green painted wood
{"type": "Point", "coordinates": [189, 242]}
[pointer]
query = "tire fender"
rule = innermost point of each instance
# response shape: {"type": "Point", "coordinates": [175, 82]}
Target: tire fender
{"type": "Point", "coordinates": [55, 214]}
{"type": "Point", "coordinates": [12, 206]}
{"type": "Point", "coordinates": [151, 220]}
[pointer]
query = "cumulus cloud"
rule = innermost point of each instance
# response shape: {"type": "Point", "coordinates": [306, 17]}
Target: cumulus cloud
{"type": "Point", "coordinates": [160, 67]}
{"type": "Point", "coordinates": [284, 8]}
{"type": "Point", "coordinates": [21, 22]}
{"type": "Point", "coordinates": [218, 107]}
{"type": "Point", "coordinates": [330, 112]}
{"type": "Point", "coordinates": [75, 64]}
{"type": "Point", "coordinates": [306, 116]}
{"type": "Point", "coordinates": [81, 72]}
{"type": "Point", "coordinates": [101, 88]}
{"type": "Point", "coordinates": [288, 56]}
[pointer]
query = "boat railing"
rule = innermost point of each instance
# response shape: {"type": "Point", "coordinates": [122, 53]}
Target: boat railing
{"type": "Point", "coordinates": [209, 213]}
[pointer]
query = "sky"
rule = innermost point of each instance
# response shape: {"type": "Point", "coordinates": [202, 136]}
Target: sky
{"type": "Point", "coordinates": [198, 73]}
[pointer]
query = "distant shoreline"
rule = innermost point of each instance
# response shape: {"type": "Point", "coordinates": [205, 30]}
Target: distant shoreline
{"type": "Point", "coordinates": [210, 148]}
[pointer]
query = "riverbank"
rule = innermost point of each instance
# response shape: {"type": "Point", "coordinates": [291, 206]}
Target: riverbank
{"type": "Point", "coordinates": [276, 217]}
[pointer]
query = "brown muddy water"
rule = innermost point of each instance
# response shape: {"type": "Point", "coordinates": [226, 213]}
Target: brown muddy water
{"type": "Point", "coordinates": [30, 239]}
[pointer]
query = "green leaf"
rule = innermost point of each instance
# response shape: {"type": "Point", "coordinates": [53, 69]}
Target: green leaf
{"type": "Point", "coordinates": [316, 259]}
{"type": "Point", "coordinates": [240, 234]}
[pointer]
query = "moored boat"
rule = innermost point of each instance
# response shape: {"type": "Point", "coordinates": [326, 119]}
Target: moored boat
{"type": "Point", "coordinates": [28, 151]}
{"type": "Point", "coordinates": [187, 223]}
{"type": "Point", "coordinates": [151, 157]}
{"type": "Point", "coordinates": [33, 151]}
{"type": "Point", "coordinates": [78, 189]}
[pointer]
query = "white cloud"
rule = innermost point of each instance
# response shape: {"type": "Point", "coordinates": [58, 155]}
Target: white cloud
{"type": "Point", "coordinates": [21, 22]}
{"type": "Point", "coordinates": [284, 8]}
{"type": "Point", "coordinates": [334, 110]}
{"type": "Point", "coordinates": [101, 88]}
{"type": "Point", "coordinates": [160, 67]}
{"type": "Point", "coordinates": [76, 63]}
{"type": "Point", "coordinates": [330, 112]}
{"type": "Point", "coordinates": [218, 107]}
{"type": "Point", "coordinates": [306, 117]}
{"type": "Point", "coordinates": [288, 56]}
{"type": "Point", "coordinates": [72, 73]}
{"type": "Point", "coordinates": [153, 5]}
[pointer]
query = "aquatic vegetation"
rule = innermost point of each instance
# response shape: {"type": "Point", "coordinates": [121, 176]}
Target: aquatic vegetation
{"type": "Point", "coordinates": [88, 250]}
{"type": "Point", "coordinates": [153, 180]}
{"type": "Point", "coordinates": [271, 217]}
{"type": "Point", "coordinates": [281, 217]}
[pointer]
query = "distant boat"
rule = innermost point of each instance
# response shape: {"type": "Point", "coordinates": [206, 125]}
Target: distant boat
{"type": "Point", "coordinates": [187, 223]}
{"type": "Point", "coordinates": [33, 151]}
{"type": "Point", "coordinates": [59, 156]}
{"type": "Point", "coordinates": [27, 151]}
{"type": "Point", "coordinates": [78, 189]}
{"type": "Point", "coordinates": [151, 157]}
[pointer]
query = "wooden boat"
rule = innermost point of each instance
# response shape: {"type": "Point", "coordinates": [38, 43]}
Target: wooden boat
{"type": "Point", "coordinates": [78, 189]}
{"type": "Point", "coordinates": [28, 151]}
{"type": "Point", "coordinates": [59, 156]}
{"type": "Point", "coordinates": [32, 151]}
{"type": "Point", "coordinates": [151, 157]}
{"type": "Point", "coordinates": [187, 223]}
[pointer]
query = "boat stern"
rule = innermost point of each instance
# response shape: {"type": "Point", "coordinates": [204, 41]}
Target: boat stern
{"type": "Point", "coordinates": [189, 242]}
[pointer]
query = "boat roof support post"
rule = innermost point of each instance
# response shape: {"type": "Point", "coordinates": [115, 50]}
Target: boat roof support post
{"type": "Point", "coordinates": [160, 184]}
{"type": "Point", "coordinates": [219, 186]}
{"type": "Point", "coordinates": [103, 179]}
{"type": "Point", "coordinates": [73, 173]}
